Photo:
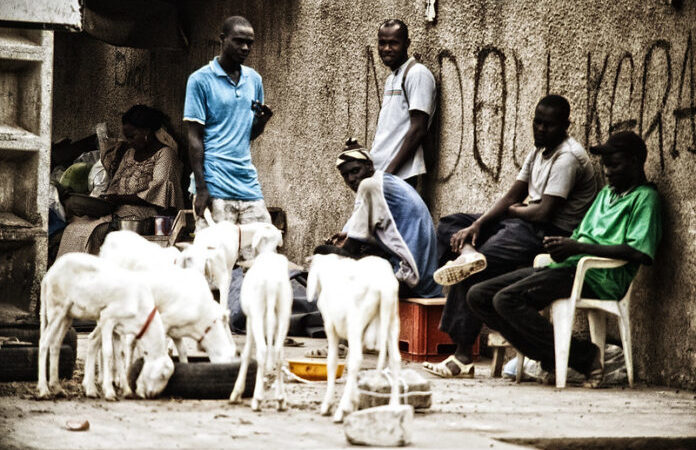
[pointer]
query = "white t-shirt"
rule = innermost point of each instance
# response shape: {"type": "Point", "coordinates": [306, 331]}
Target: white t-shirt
{"type": "Point", "coordinates": [394, 120]}
{"type": "Point", "coordinates": [566, 173]}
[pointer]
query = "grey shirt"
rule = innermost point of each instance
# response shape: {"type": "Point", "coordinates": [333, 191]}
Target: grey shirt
{"type": "Point", "coordinates": [567, 173]}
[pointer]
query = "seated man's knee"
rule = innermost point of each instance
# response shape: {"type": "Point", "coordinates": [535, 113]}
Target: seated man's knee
{"type": "Point", "coordinates": [477, 298]}
{"type": "Point", "coordinates": [504, 302]}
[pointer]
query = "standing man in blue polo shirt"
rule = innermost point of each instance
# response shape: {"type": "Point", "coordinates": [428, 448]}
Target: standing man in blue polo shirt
{"type": "Point", "coordinates": [224, 112]}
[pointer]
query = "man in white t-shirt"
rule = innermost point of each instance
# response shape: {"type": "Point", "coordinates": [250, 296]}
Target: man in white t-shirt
{"type": "Point", "coordinates": [407, 108]}
{"type": "Point", "coordinates": [558, 180]}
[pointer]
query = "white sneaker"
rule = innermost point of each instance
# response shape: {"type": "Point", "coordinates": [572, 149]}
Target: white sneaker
{"type": "Point", "coordinates": [461, 268]}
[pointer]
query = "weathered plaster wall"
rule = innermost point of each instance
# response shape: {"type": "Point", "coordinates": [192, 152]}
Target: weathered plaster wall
{"type": "Point", "coordinates": [623, 64]}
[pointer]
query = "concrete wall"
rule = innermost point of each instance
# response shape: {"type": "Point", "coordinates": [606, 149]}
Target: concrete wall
{"type": "Point", "coordinates": [623, 64]}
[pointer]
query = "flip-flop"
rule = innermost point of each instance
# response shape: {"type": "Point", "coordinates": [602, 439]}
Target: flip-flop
{"type": "Point", "coordinates": [323, 352]}
{"type": "Point", "coordinates": [290, 342]}
{"type": "Point", "coordinates": [441, 369]}
{"type": "Point", "coordinates": [454, 272]}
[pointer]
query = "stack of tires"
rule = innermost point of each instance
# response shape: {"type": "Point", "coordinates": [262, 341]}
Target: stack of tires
{"type": "Point", "coordinates": [19, 354]}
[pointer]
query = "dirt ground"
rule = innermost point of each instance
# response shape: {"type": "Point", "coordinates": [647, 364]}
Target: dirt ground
{"type": "Point", "coordinates": [470, 413]}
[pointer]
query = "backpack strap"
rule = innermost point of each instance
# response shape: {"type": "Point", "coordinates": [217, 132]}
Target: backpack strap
{"type": "Point", "coordinates": [403, 80]}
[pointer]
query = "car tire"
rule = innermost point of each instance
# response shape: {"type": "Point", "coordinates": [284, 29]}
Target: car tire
{"type": "Point", "coordinates": [201, 380]}
{"type": "Point", "coordinates": [21, 363]}
{"type": "Point", "coordinates": [31, 333]}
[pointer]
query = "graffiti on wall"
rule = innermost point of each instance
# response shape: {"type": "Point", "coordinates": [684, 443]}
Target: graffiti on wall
{"type": "Point", "coordinates": [650, 93]}
{"type": "Point", "coordinates": [132, 71]}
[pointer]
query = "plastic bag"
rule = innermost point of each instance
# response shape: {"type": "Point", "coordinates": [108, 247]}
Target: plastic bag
{"type": "Point", "coordinates": [56, 217]}
{"type": "Point", "coordinates": [97, 180]}
{"type": "Point", "coordinates": [88, 157]}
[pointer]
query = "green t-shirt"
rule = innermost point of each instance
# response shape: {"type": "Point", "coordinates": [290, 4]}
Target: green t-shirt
{"type": "Point", "coordinates": [632, 218]}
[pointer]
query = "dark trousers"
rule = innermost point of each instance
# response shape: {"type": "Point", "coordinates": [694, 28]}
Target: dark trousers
{"type": "Point", "coordinates": [510, 304]}
{"type": "Point", "coordinates": [507, 245]}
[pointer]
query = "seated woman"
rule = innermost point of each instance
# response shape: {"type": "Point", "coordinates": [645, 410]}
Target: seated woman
{"type": "Point", "coordinates": [145, 179]}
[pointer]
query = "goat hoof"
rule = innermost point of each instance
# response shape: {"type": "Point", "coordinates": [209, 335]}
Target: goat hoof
{"type": "Point", "coordinates": [58, 391]}
{"type": "Point", "coordinates": [127, 393]}
{"type": "Point", "coordinates": [92, 393]}
{"type": "Point", "coordinates": [338, 417]}
{"type": "Point", "coordinates": [43, 393]}
{"type": "Point", "coordinates": [325, 409]}
{"type": "Point", "coordinates": [255, 405]}
{"type": "Point", "coordinates": [110, 396]}
{"type": "Point", "coordinates": [282, 405]}
{"type": "Point", "coordinates": [235, 398]}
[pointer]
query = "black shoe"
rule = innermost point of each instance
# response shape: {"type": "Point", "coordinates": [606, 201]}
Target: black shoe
{"type": "Point", "coordinates": [595, 375]}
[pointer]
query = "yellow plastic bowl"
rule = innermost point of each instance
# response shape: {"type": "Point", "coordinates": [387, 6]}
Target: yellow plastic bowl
{"type": "Point", "coordinates": [313, 370]}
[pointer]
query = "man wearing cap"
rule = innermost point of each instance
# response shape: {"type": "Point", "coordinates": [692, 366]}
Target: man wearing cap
{"type": "Point", "coordinates": [224, 111]}
{"type": "Point", "coordinates": [389, 218]}
{"type": "Point", "coordinates": [407, 107]}
{"type": "Point", "coordinates": [552, 192]}
{"type": "Point", "coordinates": [624, 222]}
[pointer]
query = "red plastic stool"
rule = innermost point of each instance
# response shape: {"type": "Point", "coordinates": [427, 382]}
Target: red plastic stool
{"type": "Point", "coordinates": [420, 338]}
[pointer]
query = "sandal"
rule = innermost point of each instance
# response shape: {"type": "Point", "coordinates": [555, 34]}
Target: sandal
{"type": "Point", "coordinates": [441, 369]}
{"type": "Point", "coordinates": [324, 352]}
{"type": "Point", "coordinates": [460, 269]}
{"type": "Point", "coordinates": [290, 342]}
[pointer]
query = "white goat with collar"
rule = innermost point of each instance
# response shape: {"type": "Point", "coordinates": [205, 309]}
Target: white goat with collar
{"type": "Point", "coordinates": [358, 301]}
{"type": "Point", "coordinates": [82, 286]}
{"type": "Point", "coordinates": [181, 295]}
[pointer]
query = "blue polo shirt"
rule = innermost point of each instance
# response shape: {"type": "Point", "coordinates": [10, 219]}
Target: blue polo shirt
{"type": "Point", "coordinates": [224, 108]}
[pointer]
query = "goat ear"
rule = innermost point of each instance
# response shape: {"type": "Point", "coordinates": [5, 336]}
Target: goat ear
{"type": "Point", "coordinates": [256, 242]}
{"type": "Point", "coordinates": [208, 217]}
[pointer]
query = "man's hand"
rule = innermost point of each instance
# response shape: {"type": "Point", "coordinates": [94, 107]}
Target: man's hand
{"type": "Point", "coordinates": [261, 112]}
{"type": "Point", "coordinates": [462, 237]}
{"type": "Point", "coordinates": [201, 201]}
{"type": "Point", "coordinates": [337, 239]}
{"type": "Point", "coordinates": [561, 247]}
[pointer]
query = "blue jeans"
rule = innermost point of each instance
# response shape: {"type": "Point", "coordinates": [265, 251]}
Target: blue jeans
{"type": "Point", "coordinates": [507, 244]}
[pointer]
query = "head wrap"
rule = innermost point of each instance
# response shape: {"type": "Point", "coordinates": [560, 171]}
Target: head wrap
{"type": "Point", "coordinates": [352, 152]}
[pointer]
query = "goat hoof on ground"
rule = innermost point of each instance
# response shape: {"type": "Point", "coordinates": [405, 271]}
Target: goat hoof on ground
{"type": "Point", "coordinates": [282, 406]}
{"type": "Point", "coordinates": [43, 394]}
{"type": "Point", "coordinates": [57, 390]}
{"type": "Point", "coordinates": [338, 417]}
{"type": "Point", "coordinates": [127, 393]}
{"type": "Point", "coordinates": [235, 397]}
{"type": "Point", "coordinates": [92, 393]}
{"type": "Point", "coordinates": [325, 409]}
{"type": "Point", "coordinates": [255, 404]}
{"type": "Point", "coordinates": [110, 396]}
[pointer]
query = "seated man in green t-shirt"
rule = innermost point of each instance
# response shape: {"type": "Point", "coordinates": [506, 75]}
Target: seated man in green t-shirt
{"type": "Point", "coordinates": [623, 223]}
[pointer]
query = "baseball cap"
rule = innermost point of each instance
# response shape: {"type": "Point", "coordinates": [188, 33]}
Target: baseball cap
{"type": "Point", "coordinates": [352, 151]}
{"type": "Point", "coordinates": [623, 141]}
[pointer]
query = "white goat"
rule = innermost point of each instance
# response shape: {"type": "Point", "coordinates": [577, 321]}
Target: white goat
{"type": "Point", "coordinates": [83, 286]}
{"type": "Point", "coordinates": [358, 301]}
{"type": "Point", "coordinates": [181, 295]}
{"type": "Point", "coordinates": [216, 249]}
{"type": "Point", "coordinates": [266, 300]}
{"type": "Point", "coordinates": [132, 251]}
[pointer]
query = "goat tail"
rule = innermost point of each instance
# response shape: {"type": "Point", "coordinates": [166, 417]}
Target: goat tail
{"type": "Point", "coordinates": [208, 217]}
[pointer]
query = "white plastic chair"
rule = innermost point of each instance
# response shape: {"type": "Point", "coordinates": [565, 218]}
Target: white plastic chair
{"type": "Point", "coordinates": [563, 316]}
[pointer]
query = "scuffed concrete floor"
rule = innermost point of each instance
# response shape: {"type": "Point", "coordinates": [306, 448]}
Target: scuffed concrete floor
{"type": "Point", "coordinates": [475, 413]}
